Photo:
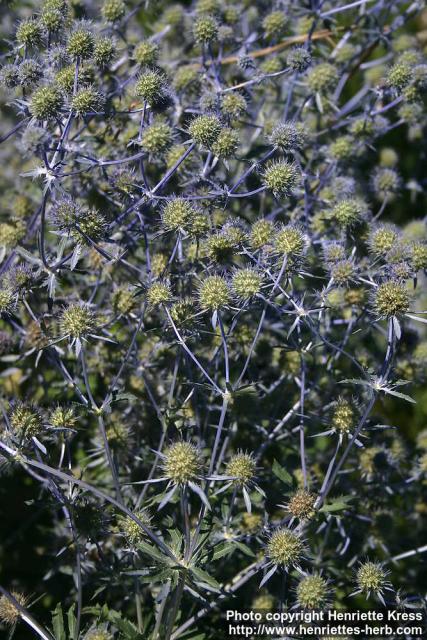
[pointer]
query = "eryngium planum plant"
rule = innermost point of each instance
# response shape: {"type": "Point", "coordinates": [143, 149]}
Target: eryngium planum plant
{"type": "Point", "coordinates": [212, 335]}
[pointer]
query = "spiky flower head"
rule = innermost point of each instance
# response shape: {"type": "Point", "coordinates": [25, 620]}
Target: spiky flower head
{"type": "Point", "coordinates": [159, 263]}
{"type": "Point", "coordinates": [274, 24]}
{"type": "Point", "coordinates": [174, 154]}
{"type": "Point", "coordinates": [9, 76]}
{"type": "Point", "coordinates": [156, 138]}
{"type": "Point", "coordinates": [342, 148]}
{"type": "Point", "coordinates": [66, 212]}
{"type": "Point", "coordinates": [261, 234]}
{"type": "Point", "coordinates": [363, 127]}
{"type": "Point", "coordinates": [233, 104]}
{"type": "Point", "coordinates": [343, 416]}
{"type": "Point", "coordinates": [271, 65]}
{"type": "Point", "coordinates": [146, 53]}
{"type": "Point", "coordinates": [371, 577]}
{"type": "Point", "coordinates": [391, 298]}
{"type": "Point", "coordinates": [382, 239]}
{"type": "Point", "coordinates": [334, 252]}
{"type": "Point", "coordinates": [205, 29]}
{"type": "Point", "coordinates": [212, 7]}
{"type": "Point", "coordinates": [281, 177]}
{"type": "Point", "coordinates": [7, 300]}
{"type": "Point", "coordinates": [322, 77]}
{"type": "Point", "coordinates": [214, 293]}
{"type": "Point", "coordinates": [205, 130]}
{"type": "Point", "coordinates": [63, 417]}
{"type": "Point", "coordinates": [123, 300]}
{"type": "Point", "coordinates": [54, 16]}
{"type": "Point", "coordinates": [65, 77]}
{"type": "Point", "coordinates": [113, 10]}
{"type": "Point", "coordinates": [9, 613]}
{"type": "Point", "coordinates": [422, 435]}
{"type": "Point", "coordinates": [198, 224]}
{"type": "Point", "coordinates": [348, 212]}
{"type": "Point", "coordinates": [30, 33]}
{"type": "Point", "coordinates": [287, 136]}
{"type": "Point", "coordinates": [86, 100]}
{"type": "Point", "coordinates": [299, 59]}
{"type": "Point", "coordinates": [81, 43]}
{"type": "Point", "coordinates": [285, 548]}
{"type": "Point", "coordinates": [159, 293]}
{"type": "Point", "coordinates": [46, 103]}
{"type": "Point", "coordinates": [400, 75]}
{"type": "Point", "coordinates": [182, 311]}
{"type": "Point", "coordinates": [263, 601]}
{"type": "Point", "coordinates": [182, 462]}
{"type": "Point", "coordinates": [290, 240]}
{"type": "Point", "coordinates": [220, 247]}
{"type": "Point", "coordinates": [52, 20]}
{"type": "Point", "coordinates": [242, 467]}
{"type": "Point", "coordinates": [104, 51]}
{"type": "Point", "coordinates": [301, 504]}
{"type": "Point", "coordinates": [342, 272]}
{"type": "Point", "coordinates": [226, 143]}
{"type": "Point", "coordinates": [177, 213]}
{"type": "Point", "coordinates": [246, 283]}
{"type": "Point", "coordinates": [312, 592]}
{"type": "Point", "coordinates": [186, 78]}
{"type": "Point", "coordinates": [77, 321]}
{"type": "Point", "coordinates": [150, 87]}
{"type": "Point", "coordinates": [419, 256]}
{"type": "Point", "coordinates": [388, 157]}
{"type": "Point", "coordinates": [131, 530]}
{"type": "Point", "coordinates": [89, 225]}
{"type": "Point", "coordinates": [415, 230]}
{"type": "Point", "coordinates": [386, 182]}
{"type": "Point", "coordinates": [29, 73]}
{"type": "Point", "coordinates": [26, 420]}
{"type": "Point", "coordinates": [59, 5]}
{"type": "Point", "coordinates": [234, 231]}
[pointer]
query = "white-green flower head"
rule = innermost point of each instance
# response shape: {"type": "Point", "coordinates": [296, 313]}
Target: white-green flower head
{"type": "Point", "coordinates": [285, 548]}
{"type": "Point", "coordinates": [182, 462]}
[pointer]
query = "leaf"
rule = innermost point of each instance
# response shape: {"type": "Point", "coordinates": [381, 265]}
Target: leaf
{"type": "Point", "coordinates": [203, 576]}
{"type": "Point", "coordinates": [223, 549]}
{"type": "Point", "coordinates": [244, 549]}
{"type": "Point", "coordinates": [117, 397]}
{"type": "Point", "coordinates": [58, 624]}
{"type": "Point", "coordinates": [337, 505]}
{"type": "Point", "coordinates": [281, 473]}
{"type": "Point", "coordinates": [398, 394]}
{"type": "Point", "coordinates": [127, 628]}
{"type": "Point", "coordinates": [72, 621]}
{"type": "Point", "coordinates": [150, 551]}
{"type": "Point", "coordinates": [355, 381]}
{"type": "Point", "coordinates": [176, 538]}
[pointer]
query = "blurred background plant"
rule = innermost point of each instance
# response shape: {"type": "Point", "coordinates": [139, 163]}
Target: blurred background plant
{"type": "Point", "coordinates": [213, 353]}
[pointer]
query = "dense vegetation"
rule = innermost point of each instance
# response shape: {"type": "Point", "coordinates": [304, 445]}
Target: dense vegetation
{"type": "Point", "coordinates": [212, 335]}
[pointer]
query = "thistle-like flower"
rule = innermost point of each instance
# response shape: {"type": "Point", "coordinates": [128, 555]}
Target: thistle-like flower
{"type": "Point", "coordinates": [371, 578]}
